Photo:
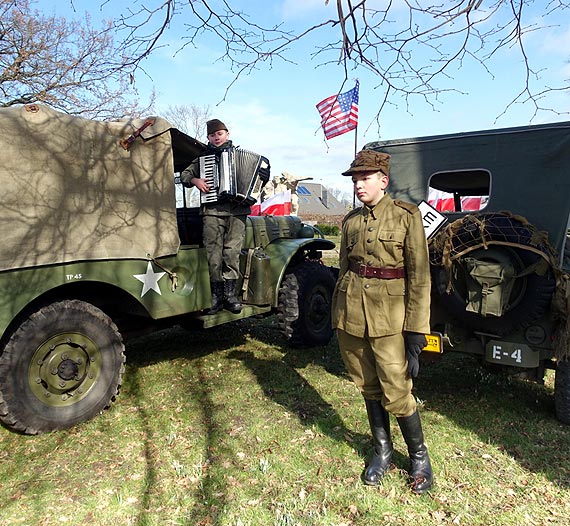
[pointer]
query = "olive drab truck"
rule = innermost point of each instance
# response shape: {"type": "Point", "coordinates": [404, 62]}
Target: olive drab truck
{"type": "Point", "coordinates": [98, 239]}
{"type": "Point", "coordinates": [500, 257]}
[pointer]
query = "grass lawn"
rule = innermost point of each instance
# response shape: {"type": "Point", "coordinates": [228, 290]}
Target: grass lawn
{"type": "Point", "coordinates": [231, 427]}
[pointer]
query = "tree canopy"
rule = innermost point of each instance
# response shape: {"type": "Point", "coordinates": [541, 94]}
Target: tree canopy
{"type": "Point", "coordinates": [68, 64]}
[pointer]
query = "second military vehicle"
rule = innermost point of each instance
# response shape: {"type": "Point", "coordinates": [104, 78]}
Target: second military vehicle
{"type": "Point", "coordinates": [500, 264]}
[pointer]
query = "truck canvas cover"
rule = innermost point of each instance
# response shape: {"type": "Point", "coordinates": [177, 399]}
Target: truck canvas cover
{"type": "Point", "coordinates": [72, 192]}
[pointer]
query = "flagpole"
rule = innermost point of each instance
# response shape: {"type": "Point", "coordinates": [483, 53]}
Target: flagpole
{"type": "Point", "coordinates": [355, 152]}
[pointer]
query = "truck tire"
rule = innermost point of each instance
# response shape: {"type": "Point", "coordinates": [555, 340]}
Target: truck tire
{"type": "Point", "coordinates": [529, 299]}
{"type": "Point", "coordinates": [562, 391]}
{"type": "Point", "coordinates": [506, 238]}
{"type": "Point", "coordinates": [304, 305]}
{"type": "Point", "coordinates": [63, 365]}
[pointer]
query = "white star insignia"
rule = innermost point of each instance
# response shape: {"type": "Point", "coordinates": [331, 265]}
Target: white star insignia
{"type": "Point", "coordinates": [149, 280]}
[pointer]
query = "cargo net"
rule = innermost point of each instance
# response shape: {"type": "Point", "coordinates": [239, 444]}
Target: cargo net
{"type": "Point", "coordinates": [501, 228]}
{"type": "Point", "coordinates": [472, 232]}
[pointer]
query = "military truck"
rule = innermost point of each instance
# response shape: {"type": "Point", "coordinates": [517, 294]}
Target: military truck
{"type": "Point", "coordinates": [99, 241]}
{"type": "Point", "coordinates": [500, 265]}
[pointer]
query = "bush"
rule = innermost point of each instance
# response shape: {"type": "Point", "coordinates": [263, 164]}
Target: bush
{"type": "Point", "coordinates": [328, 230]}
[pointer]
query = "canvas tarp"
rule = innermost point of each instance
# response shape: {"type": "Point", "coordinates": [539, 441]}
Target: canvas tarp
{"type": "Point", "coordinates": [71, 192]}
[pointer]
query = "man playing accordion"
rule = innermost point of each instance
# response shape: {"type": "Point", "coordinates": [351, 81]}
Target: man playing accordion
{"type": "Point", "coordinates": [224, 209]}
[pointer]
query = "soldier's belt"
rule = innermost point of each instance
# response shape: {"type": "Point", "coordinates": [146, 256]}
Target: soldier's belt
{"type": "Point", "coordinates": [376, 272]}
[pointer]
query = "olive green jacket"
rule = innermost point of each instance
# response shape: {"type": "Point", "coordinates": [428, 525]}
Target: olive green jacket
{"type": "Point", "coordinates": [390, 235]}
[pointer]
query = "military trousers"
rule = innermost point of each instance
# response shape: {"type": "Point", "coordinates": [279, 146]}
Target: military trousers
{"type": "Point", "coordinates": [223, 238]}
{"type": "Point", "coordinates": [379, 368]}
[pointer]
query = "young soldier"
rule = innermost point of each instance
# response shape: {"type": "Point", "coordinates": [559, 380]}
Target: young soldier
{"type": "Point", "coordinates": [224, 227]}
{"type": "Point", "coordinates": [381, 310]}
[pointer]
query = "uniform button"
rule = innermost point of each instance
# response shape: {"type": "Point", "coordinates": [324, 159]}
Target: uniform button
{"type": "Point", "coordinates": [366, 286]}
{"type": "Point", "coordinates": [369, 262]}
{"type": "Point", "coordinates": [370, 229]}
{"type": "Point", "coordinates": [369, 240]}
{"type": "Point", "coordinates": [369, 253]}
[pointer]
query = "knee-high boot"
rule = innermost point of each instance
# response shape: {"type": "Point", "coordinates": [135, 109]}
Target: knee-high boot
{"type": "Point", "coordinates": [380, 428]}
{"type": "Point", "coordinates": [421, 474]}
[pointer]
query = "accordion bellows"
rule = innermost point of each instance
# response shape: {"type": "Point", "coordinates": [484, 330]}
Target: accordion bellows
{"type": "Point", "coordinates": [234, 175]}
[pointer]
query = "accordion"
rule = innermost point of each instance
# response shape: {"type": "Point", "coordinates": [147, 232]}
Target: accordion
{"type": "Point", "coordinates": [234, 175]}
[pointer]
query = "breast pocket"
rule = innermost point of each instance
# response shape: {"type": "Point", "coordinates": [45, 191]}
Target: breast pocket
{"type": "Point", "coordinates": [392, 243]}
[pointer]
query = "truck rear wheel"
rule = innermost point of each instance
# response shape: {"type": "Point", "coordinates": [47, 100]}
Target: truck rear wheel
{"type": "Point", "coordinates": [62, 366]}
{"type": "Point", "coordinates": [562, 391]}
{"type": "Point", "coordinates": [304, 310]}
{"type": "Point", "coordinates": [530, 297]}
{"type": "Point", "coordinates": [507, 241]}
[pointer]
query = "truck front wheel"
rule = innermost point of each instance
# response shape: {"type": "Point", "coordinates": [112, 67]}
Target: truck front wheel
{"type": "Point", "coordinates": [63, 365]}
{"type": "Point", "coordinates": [304, 311]}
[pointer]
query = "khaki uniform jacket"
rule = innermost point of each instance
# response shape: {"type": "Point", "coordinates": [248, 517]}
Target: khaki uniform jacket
{"type": "Point", "coordinates": [389, 235]}
{"type": "Point", "coordinates": [216, 209]}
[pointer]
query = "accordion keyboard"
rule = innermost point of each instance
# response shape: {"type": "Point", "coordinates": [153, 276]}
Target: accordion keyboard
{"type": "Point", "coordinates": [209, 172]}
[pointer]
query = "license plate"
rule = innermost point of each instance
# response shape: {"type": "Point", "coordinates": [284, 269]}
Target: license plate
{"type": "Point", "coordinates": [433, 343]}
{"type": "Point", "coordinates": [511, 353]}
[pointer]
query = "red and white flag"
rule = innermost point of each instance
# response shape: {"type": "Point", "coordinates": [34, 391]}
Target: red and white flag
{"type": "Point", "coordinates": [445, 202]}
{"type": "Point", "coordinates": [277, 205]}
{"type": "Point", "coordinates": [339, 113]}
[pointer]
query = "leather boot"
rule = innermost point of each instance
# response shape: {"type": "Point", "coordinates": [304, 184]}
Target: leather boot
{"type": "Point", "coordinates": [217, 288]}
{"type": "Point", "coordinates": [380, 427]}
{"type": "Point", "coordinates": [230, 300]}
{"type": "Point", "coordinates": [421, 475]}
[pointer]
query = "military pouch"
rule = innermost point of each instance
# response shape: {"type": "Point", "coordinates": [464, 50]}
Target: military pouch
{"type": "Point", "coordinates": [489, 286]}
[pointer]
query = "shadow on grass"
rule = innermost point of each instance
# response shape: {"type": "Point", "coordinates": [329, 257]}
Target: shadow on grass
{"type": "Point", "coordinates": [168, 345]}
{"type": "Point", "coordinates": [284, 385]}
{"type": "Point", "coordinates": [277, 377]}
{"type": "Point", "coordinates": [516, 416]}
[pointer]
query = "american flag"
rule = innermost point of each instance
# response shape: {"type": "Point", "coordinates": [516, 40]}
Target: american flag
{"type": "Point", "coordinates": [339, 113]}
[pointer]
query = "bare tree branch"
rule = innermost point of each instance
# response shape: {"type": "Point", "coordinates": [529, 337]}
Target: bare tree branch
{"type": "Point", "coordinates": [190, 119]}
{"type": "Point", "coordinates": [413, 55]}
{"type": "Point", "coordinates": [69, 65]}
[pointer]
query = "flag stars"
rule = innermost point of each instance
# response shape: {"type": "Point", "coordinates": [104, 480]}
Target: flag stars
{"type": "Point", "coordinates": [345, 100]}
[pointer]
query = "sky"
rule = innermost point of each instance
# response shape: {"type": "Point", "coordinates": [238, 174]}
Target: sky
{"type": "Point", "coordinates": [272, 110]}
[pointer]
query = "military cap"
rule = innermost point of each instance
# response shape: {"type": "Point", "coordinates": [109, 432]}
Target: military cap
{"type": "Point", "coordinates": [369, 161]}
{"type": "Point", "coordinates": [215, 125]}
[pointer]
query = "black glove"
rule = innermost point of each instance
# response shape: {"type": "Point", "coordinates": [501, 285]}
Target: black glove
{"type": "Point", "coordinates": [414, 342]}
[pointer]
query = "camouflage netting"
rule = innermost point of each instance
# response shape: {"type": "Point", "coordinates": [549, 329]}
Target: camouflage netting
{"type": "Point", "coordinates": [502, 228]}
{"type": "Point", "coordinates": [471, 232]}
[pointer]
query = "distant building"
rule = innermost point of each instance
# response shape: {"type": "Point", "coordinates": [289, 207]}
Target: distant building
{"type": "Point", "coordinates": [315, 199]}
